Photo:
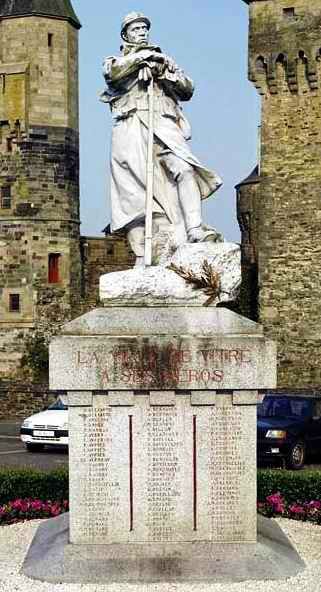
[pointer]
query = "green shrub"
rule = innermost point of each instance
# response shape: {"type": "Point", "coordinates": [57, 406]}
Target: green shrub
{"type": "Point", "coordinates": [36, 357]}
{"type": "Point", "coordinates": [294, 486]}
{"type": "Point", "coordinates": [30, 483]}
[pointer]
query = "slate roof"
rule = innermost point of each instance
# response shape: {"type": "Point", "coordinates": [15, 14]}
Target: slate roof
{"type": "Point", "coordinates": [253, 178]}
{"type": "Point", "coordinates": [55, 8]}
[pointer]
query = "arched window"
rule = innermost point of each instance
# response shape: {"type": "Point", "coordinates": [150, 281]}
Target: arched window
{"type": "Point", "coordinates": [281, 59]}
{"type": "Point", "coordinates": [302, 57]}
{"type": "Point", "coordinates": [260, 64]}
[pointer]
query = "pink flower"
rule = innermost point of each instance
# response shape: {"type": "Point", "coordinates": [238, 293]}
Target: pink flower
{"type": "Point", "coordinates": [20, 505]}
{"type": "Point", "coordinates": [55, 510]}
{"type": "Point", "coordinates": [276, 502]}
{"type": "Point", "coordinates": [27, 509]}
{"type": "Point", "coordinates": [36, 505]}
{"type": "Point", "coordinates": [297, 510]}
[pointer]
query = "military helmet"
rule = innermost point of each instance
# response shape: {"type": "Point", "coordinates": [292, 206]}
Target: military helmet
{"type": "Point", "coordinates": [132, 17]}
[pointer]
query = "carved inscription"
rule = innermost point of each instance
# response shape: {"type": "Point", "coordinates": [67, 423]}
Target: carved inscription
{"type": "Point", "coordinates": [226, 469]}
{"type": "Point", "coordinates": [101, 487]}
{"type": "Point", "coordinates": [164, 473]}
{"type": "Point", "coordinates": [169, 366]}
{"type": "Point", "coordinates": [163, 488]}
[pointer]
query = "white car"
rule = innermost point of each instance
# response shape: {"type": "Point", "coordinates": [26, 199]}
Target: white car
{"type": "Point", "coordinates": [48, 427]}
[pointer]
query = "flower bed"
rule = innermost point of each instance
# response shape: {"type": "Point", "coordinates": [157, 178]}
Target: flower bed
{"type": "Point", "coordinates": [21, 510]}
{"type": "Point", "coordinates": [276, 505]}
{"type": "Point", "coordinates": [31, 486]}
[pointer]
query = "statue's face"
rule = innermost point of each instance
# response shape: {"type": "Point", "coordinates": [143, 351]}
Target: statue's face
{"type": "Point", "coordinates": [138, 33]}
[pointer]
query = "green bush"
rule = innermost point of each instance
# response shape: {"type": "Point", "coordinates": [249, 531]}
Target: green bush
{"type": "Point", "coordinates": [33, 484]}
{"type": "Point", "coordinates": [36, 357]}
{"type": "Point", "coordinates": [294, 486]}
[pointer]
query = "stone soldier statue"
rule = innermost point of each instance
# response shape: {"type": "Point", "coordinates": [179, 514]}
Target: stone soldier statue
{"type": "Point", "coordinates": [180, 180]}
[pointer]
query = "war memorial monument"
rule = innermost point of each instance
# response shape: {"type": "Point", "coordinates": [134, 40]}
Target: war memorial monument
{"type": "Point", "coordinates": [162, 380]}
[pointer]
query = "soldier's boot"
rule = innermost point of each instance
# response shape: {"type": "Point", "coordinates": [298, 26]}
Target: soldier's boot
{"type": "Point", "coordinates": [200, 235]}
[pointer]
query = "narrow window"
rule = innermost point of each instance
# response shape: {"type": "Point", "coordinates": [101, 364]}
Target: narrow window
{"type": "Point", "coordinates": [50, 39]}
{"type": "Point", "coordinates": [110, 250]}
{"type": "Point", "coordinates": [17, 128]}
{"type": "Point", "coordinates": [5, 197]}
{"type": "Point", "coordinates": [302, 57]}
{"type": "Point", "coordinates": [9, 144]}
{"type": "Point", "coordinates": [53, 268]}
{"type": "Point", "coordinates": [261, 64]}
{"type": "Point", "coordinates": [14, 302]}
{"type": "Point", "coordinates": [289, 12]}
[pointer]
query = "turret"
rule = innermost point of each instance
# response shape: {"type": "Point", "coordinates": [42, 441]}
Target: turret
{"type": "Point", "coordinates": [284, 219]}
{"type": "Point", "coordinates": [40, 267]}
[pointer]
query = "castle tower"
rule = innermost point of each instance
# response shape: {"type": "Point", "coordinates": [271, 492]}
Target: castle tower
{"type": "Point", "coordinates": [280, 212]}
{"type": "Point", "coordinates": [40, 267]}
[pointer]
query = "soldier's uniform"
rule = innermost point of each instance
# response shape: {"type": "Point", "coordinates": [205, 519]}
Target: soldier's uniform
{"type": "Point", "coordinates": [180, 181]}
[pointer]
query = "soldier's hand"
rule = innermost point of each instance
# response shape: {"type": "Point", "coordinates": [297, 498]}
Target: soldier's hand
{"type": "Point", "coordinates": [158, 69]}
{"type": "Point", "coordinates": [170, 64]}
{"type": "Point", "coordinates": [148, 54]}
{"type": "Point", "coordinates": [145, 74]}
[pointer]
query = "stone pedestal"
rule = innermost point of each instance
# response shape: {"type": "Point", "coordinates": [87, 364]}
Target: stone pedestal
{"type": "Point", "coordinates": [162, 424]}
{"type": "Point", "coordinates": [162, 429]}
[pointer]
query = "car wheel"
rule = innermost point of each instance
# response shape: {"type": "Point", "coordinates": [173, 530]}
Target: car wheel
{"type": "Point", "coordinates": [296, 458]}
{"type": "Point", "coordinates": [35, 447]}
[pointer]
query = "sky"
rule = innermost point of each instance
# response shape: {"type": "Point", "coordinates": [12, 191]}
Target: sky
{"type": "Point", "coordinates": [208, 39]}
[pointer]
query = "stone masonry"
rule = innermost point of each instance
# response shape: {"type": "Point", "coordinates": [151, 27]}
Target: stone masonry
{"type": "Point", "coordinates": [100, 256]}
{"type": "Point", "coordinates": [280, 213]}
{"type": "Point", "coordinates": [40, 259]}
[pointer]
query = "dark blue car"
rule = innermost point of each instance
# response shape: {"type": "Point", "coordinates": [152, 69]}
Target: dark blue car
{"type": "Point", "coordinates": [289, 429]}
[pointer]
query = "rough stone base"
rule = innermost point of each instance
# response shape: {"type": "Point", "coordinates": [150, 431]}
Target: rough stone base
{"type": "Point", "coordinates": [52, 559]}
{"type": "Point", "coordinates": [158, 285]}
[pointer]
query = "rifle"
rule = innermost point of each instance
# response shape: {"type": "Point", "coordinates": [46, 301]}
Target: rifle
{"type": "Point", "coordinates": [150, 177]}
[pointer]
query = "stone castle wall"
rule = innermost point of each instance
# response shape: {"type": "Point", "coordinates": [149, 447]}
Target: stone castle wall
{"type": "Point", "coordinates": [285, 214]}
{"type": "Point", "coordinates": [101, 256]}
{"type": "Point", "coordinates": [19, 400]}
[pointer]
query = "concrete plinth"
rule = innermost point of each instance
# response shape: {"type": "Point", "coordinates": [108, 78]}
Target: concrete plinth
{"type": "Point", "coordinates": [52, 559]}
{"type": "Point", "coordinates": [162, 438]}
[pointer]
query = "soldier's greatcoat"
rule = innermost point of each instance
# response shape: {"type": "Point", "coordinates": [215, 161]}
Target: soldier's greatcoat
{"type": "Point", "coordinates": [128, 100]}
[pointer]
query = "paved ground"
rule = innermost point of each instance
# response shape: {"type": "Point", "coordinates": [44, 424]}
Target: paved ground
{"type": "Point", "coordinates": [14, 454]}
{"type": "Point", "coordinates": [15, 541]}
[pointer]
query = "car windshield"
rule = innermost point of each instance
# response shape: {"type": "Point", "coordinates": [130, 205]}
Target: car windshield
{"type": "Point", "coordinates": [284, 407]}
{"type": "Point", "coordinates": [58, 405]}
